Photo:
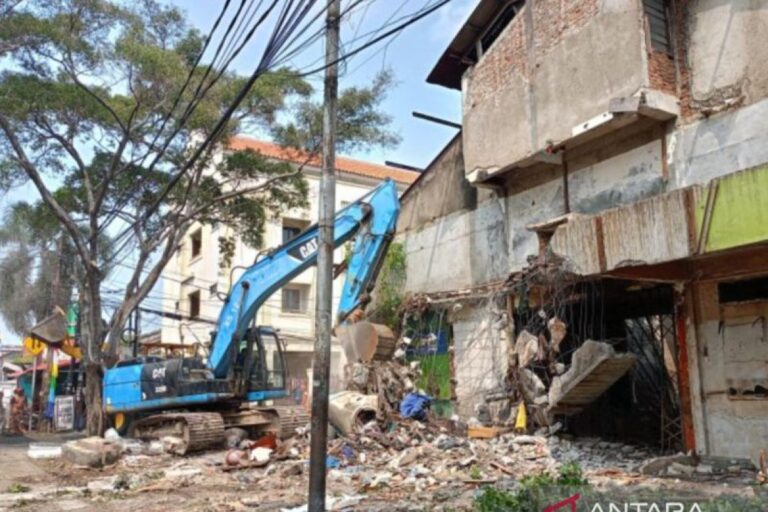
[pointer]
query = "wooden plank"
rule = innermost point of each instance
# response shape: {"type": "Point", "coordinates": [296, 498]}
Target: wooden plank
{"type": "Point", "coordinates": [485, 432]}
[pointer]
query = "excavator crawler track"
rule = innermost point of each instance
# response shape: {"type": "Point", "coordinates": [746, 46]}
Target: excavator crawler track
{"type": "Point", "coordinates": [197, 430]}
{"type": "Point", "coordinates": [290, 418]}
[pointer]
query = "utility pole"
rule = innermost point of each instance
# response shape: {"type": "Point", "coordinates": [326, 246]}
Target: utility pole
{"type": "Point", "coordinates": [321, 363]}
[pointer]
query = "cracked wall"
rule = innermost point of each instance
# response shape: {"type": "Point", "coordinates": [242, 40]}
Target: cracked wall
{"type": "Point", "coordinates": [554, 66]}
{"type": "Point", "coordinates": [726, 40]}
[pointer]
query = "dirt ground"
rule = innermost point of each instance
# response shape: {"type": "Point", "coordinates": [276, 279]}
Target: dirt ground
{"type": "Point", "coordinates": [421, 477]}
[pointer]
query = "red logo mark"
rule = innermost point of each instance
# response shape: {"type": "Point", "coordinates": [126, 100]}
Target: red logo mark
{"type": "Point", "coordinates": [563, 504]}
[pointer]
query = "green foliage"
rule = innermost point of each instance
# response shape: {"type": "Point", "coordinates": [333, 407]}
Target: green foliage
{"type": "Point", "coordinates": [436, 375]}
{"type": "Point", "coordinates": [359, 119]}
{"type": "Point", "coordinates": [92, 111]}
{"type": "Point", "coordinates": [495, 500]}
{"type": "Point", "coordinates": [17, 488]}
{"type": "Point", "coordinates": [533, 492]}
{"type": "Point", "coordinates": [571, 475]}
{"type": "Point", "coordinates": [389, 287]}
{"type": "Point", "coordinates": [475, 473]}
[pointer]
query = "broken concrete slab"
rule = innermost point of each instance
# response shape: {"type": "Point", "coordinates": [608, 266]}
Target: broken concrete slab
{"type": "Point", "coordinates": [595, 367]}
{"type": "Point", "coordinates": [93, 452]}
{"type": "Point", "coordinates": [365, 341]}
{"type": "Point", "coordinates": [532, 386]}
{"type": "Point", "coordinates": [659, 465]}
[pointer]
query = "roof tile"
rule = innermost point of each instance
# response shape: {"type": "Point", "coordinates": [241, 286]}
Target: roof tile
{"type": "Point", "coordinates": [343, 164]}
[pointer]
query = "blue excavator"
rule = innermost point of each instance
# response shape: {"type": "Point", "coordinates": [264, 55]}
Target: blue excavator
{"type": "Point", "coordinates": [196, 399]}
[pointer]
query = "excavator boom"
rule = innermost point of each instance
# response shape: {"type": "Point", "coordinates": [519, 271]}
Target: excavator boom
{"type": "Point", "coordinates": [372, 218]}
{"type": "Point", "coordinates": [195, 399]}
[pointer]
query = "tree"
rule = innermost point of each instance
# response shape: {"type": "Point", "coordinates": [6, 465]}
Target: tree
{"type": "Point", "coordinates": [38, 266]}
{"type": "Point", "coordinates": [106, 109]}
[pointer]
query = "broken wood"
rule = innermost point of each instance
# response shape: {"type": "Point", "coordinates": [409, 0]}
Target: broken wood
{"type": "Point", "coordinates": [501, 467]}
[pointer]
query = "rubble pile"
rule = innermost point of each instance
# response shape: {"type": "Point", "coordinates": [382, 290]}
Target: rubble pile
{"type": "Point", "coordinates": [389, 381]}
{"type": "Point", "coordinates": [387, 447]}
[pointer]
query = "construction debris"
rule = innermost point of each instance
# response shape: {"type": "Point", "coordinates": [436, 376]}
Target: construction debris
{"type": "Point", "coordinates": [350, 410]}
{"type": "Point", "coordinates": [93, 452]}
{"type": "Point", "coordinates": [526, 348]}
{"type": "Point", "coordinates": [594, 368]}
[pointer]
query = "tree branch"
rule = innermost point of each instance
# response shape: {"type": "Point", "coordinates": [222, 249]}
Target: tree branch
{"type": "Point", "coordinates": [46, 195]}
{"type": "Point", "coordinates": [72, 151]}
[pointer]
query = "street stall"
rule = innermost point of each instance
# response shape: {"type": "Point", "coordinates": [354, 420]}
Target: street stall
{"type": "Point", "coordinates": [54, 385]}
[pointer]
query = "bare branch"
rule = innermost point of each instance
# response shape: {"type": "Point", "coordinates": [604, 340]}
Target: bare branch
{"type": "Point", "coordinates": [72, 151]}
{"type": "Point", "coordinates": [47, 196]}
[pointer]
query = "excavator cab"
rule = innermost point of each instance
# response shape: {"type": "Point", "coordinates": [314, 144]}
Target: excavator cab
{"type": "Point", "coordinates": [260, 368]}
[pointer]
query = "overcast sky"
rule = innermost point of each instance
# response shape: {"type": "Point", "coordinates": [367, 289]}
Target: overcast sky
{"type": "Point", "coordinates": [410, 56]}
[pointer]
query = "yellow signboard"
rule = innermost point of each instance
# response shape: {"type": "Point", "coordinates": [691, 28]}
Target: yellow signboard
{"type": "Point", "coordinates": [71, 350]}
{"type": "Point", "coordinates": [33, 346]}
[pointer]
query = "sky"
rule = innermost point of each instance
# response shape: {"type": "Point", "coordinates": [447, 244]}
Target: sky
{"type": "Point", "coordinates": [410, 56]}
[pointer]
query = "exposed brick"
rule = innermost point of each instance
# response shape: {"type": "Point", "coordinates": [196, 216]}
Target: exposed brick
{"type": "Point", "coordinates": [680, 36]}
{"type": "Point", "coordinates": [508, 57]}
{"type": "Point", "coordinates": [662, 72]}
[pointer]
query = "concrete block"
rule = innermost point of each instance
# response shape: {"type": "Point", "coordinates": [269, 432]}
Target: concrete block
{"type": "Point", "coordinates": [93, 452]}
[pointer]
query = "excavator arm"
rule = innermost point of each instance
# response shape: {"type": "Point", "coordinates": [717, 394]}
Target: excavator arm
{"type": "Point", "coordinates": [372, 219]}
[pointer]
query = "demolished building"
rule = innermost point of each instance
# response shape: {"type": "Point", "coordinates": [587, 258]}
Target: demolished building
{"type": "Point", "coordinates": [610, 174]}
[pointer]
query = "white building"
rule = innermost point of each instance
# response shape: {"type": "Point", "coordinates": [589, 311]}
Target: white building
{"type": "Point", "coordinates": [194, 280]}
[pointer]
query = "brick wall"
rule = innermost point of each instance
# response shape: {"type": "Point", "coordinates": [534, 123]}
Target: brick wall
{"type": "Point", "coordinates": [509, 55]}
{"type": "Point", "coordinates": [662, 73]}
{"type": "Point", "coordinates": [505, 58]}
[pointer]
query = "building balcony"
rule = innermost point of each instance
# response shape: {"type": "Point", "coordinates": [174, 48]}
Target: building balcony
{"type": "Point", "coordinates": [542, 79]}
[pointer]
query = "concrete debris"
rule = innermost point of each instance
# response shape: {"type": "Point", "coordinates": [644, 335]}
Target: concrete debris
{"type": "Point", "coordinates": [44, 451]}
{"type": "Point", "coordinates": [173, 444]}
{"type": "Point", "coordinates": [557, 332]}
{"type": "Point", "coordinates": [532, 386]}
{"type": "Point", "coordinates": [350, 410]}
{"type": "Point", "coordinates": [595, 366]}
{"type": "Point", "coordinates": [389, 381]}
{"type": "Point", "coordinates": [365, 341]}
{"type": "Point", "coordinates": [526, 348]}
{"type": "Point", "coordinates": [686, 465]}
{"type": "Point", "coordinates": [93, 452]}
{"type": "Point", "coordinates": [235, 436]}
{"type": "Point", "coordinates": [397, 465]}
{"type": "Point", "coordinates": [260, 455]}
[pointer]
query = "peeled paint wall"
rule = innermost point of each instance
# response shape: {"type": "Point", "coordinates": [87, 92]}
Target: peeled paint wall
{"type": "Point", "coordinates": [719, 145]}
{"type": "Point", "coordinates": [441, 190]}
{"type": "Point", "coordinates": [623, 179]}
{"type": "Point", "coordinates": [732, 351]}
{"type": "Point", "coordinates": [471, 248]}
{"type": "Point", "coordinates": [726, 52]}
{"type": "Point", "coordinates": [457, 251]}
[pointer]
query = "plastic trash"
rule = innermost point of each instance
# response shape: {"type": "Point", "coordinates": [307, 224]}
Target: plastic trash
{"type": "Point", "coordinates": [415, 405]}
{"type": "Point", "coordinates": [112, 435]}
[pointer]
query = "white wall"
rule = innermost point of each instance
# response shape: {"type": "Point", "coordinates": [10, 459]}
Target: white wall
{"type": "Point", "coordinates": [203, 272]}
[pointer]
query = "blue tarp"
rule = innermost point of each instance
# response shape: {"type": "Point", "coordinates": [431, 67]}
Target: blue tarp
{"type": "Point", "coordinates": [415, 405]}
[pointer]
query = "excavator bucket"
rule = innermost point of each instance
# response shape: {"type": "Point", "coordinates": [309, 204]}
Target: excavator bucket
{"type": "Point", "coordinates": [366, 341]}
